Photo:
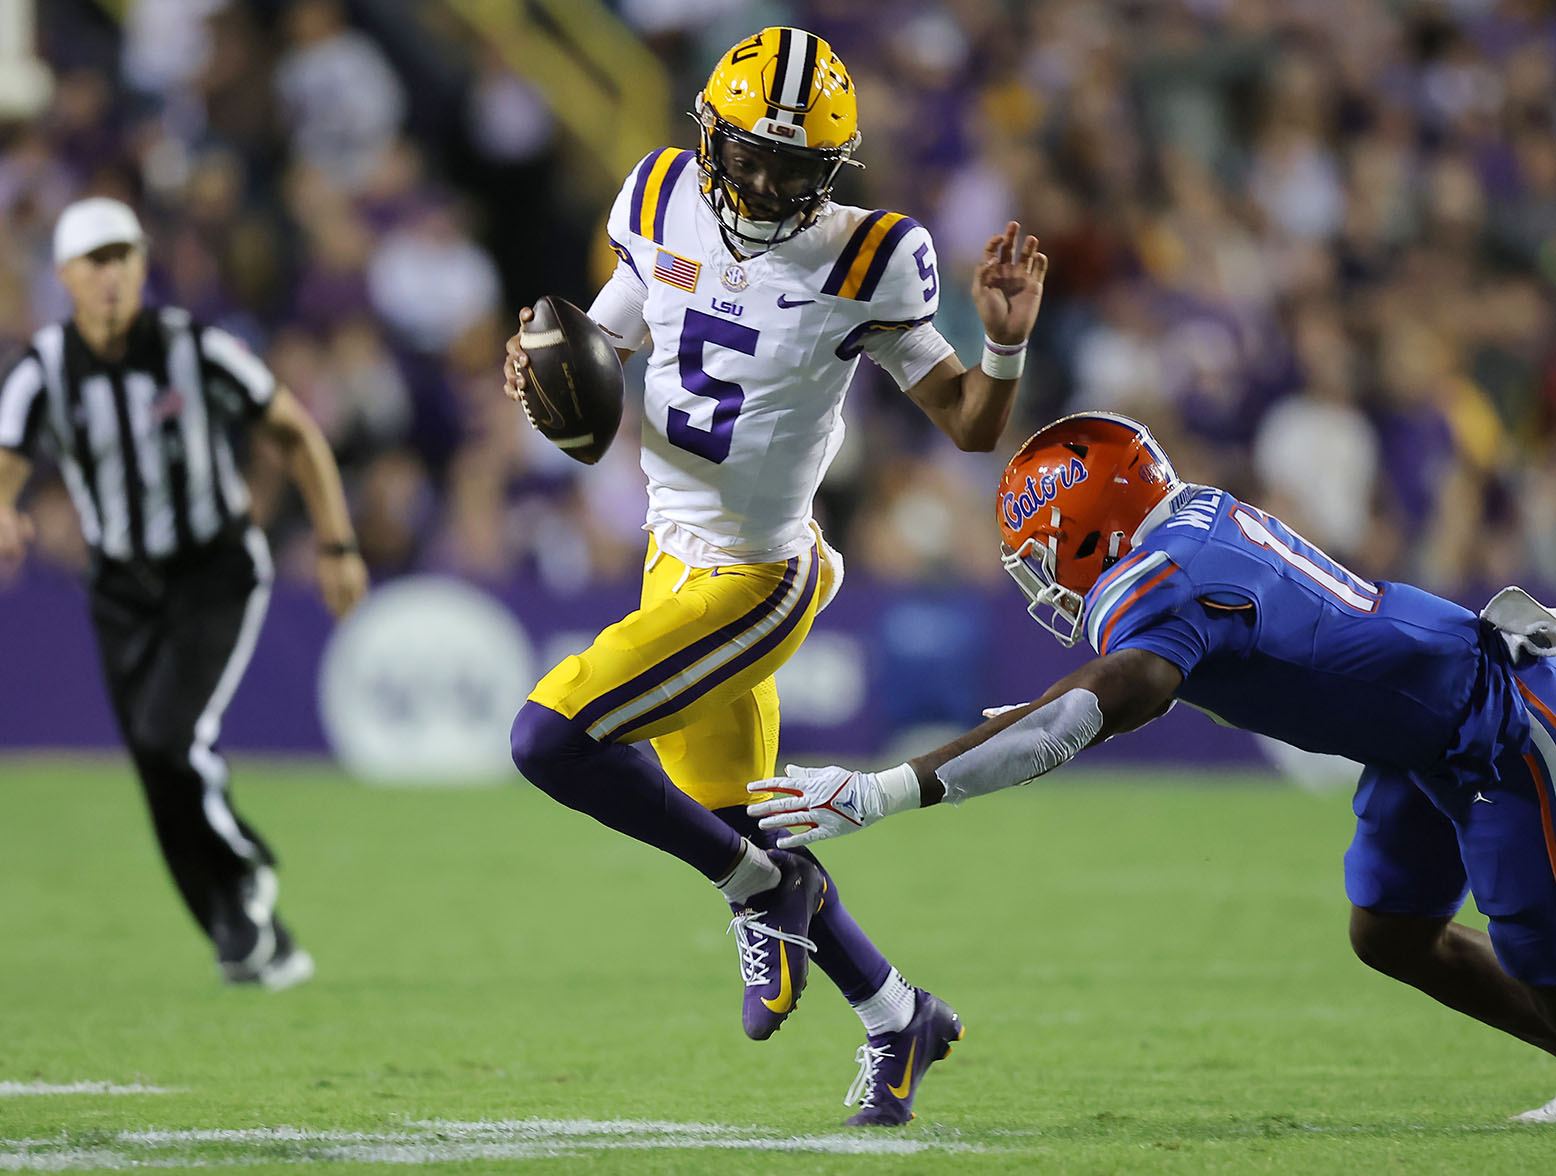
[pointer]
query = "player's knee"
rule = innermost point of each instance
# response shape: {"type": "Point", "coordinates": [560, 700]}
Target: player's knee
{"type": "Point", "coordinates": [829, 892]}
{"type": "Point", "coordinates": [156, 745]}
{"type": "Point", "coordinates": [1392, 944]}
{"type": "Point", "coordinates": [542, 741]}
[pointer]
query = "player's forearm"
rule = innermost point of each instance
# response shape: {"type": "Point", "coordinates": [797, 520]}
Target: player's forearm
{"type": "Point", "coordinates": [318, 480]}
{"type": "Point", "coordinates": [1125, 690]}
{"type": "Point", "coordinates": [1011, 749]}
{"type": "Point", "coordinates": [312, 467]}
{"type": "Point", "coordinates": [977, 419]}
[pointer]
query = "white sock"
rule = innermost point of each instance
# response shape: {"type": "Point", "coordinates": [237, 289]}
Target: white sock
{"type": "Point", "coordinates": [890, 1009]}
{"type": "Point", "coordinates": [753, 873]}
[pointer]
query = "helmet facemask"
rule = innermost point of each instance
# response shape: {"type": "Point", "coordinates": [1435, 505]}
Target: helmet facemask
{"type": "Point", "coordinates": [798, 181]}
{"type": "Point", "coordinates": [1060, 610]}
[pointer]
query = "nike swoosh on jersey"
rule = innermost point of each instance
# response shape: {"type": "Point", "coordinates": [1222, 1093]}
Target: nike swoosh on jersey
{"type": "Point", "coordinates": [785, 304]}
{"type": "Point", "coordinates": [907, 1076]}
{"type": "Point", "coordinates": [785, 999]}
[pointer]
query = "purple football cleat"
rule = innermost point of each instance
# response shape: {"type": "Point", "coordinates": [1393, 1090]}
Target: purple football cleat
{"type": "Point", "coordinates": [770, 929]}
{"type": "Point", "coordinates": [891, 1065]}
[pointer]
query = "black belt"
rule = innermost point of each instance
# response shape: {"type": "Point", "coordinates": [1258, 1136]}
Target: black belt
{"type": "Point", "coordinates": [150, 569]}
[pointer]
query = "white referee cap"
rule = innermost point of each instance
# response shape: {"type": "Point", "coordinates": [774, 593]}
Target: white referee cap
{"type": "Point", "coordinates": [92, 223]}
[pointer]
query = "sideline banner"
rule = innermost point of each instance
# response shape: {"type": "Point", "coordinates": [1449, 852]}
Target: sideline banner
{"type": "Point", "coordinates": [425, 680]}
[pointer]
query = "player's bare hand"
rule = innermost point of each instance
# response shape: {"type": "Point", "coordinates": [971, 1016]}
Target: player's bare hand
{"type": "Point", "coordinates": [16, 532]}
{"type": "Point", "coordinates": [342, 582]}
{"type": "Point", "coordinates": [1008, 285]}
{"type": "Point", "coordinates": [517, 362]}
{"type": "Point", "coordinates": [816, 803]}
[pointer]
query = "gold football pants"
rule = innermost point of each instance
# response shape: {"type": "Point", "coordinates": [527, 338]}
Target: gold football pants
{"type": "Point", "coordinates": [692, 670]}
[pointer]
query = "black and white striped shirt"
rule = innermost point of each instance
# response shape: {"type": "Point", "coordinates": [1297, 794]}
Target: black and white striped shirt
{"type": "Point", "coordinates": [144, 445]}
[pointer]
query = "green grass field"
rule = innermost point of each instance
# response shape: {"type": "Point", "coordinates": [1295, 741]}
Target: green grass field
{"type": "Point", "coordinates": [1154, 976]}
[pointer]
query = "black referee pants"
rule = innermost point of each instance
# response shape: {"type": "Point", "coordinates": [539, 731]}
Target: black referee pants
{"type": "Point", "coordinates": [175, 637]}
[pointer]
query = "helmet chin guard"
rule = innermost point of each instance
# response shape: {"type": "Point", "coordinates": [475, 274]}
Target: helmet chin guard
{"type": "Point", "coordinates": [1053, 606]}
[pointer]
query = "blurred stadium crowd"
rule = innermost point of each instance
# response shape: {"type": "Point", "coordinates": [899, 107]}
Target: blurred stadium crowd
{"type": "Point", "coordinates": [1311, 242]}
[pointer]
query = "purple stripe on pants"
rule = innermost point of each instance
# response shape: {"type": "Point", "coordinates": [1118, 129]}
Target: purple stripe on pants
{"type": "Point", "coordinates": [740, 662]}
{"type": "Point", "coordinates": [661, 672]}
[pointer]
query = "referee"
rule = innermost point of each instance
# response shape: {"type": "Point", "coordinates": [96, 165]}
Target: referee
{"type": "Point", "coordinates": [140, 408]}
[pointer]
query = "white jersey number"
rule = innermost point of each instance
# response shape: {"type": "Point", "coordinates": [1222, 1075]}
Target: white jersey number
{"type": "Point", "coordinates": [1339, 582]}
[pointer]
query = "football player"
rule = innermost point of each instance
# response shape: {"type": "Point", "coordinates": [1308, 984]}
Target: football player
{"type": "Point", "coordinates": [756, 295]}
{"type": "Point", "coordinates": [1185, 592]}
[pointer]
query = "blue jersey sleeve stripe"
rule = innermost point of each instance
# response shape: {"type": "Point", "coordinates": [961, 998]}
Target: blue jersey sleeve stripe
{"type": "Point", "coordinates": [1115, 591]}
{"type": "Point", "coordinates": [1118, 613]}
{"type": "Point", "coordinates": [1540, 761]}
{"type": "Point", "coordinates": [1100, 588]}
{"type": "Point", "coordinates": [1116, 571]}
{"type": "Point", "coordinates": [872, 276]}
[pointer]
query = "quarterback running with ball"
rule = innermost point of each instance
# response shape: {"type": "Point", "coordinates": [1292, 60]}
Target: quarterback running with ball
{"type": "Point", "coordinates": [756, 295]}
{"type": "Point", "coordinates": [1185, 592]}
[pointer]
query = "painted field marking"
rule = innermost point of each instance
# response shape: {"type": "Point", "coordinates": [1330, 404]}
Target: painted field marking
{"type": "Point", "coordinates": [22, 1089]}
{"type": "Point", "coordinates": [438, 1141]}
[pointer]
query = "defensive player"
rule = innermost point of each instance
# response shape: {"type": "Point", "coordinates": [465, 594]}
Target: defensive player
{"type": "Point", "coordinates": [1185, 592]}
{"type": "Point", "coordinates": [756, 295]}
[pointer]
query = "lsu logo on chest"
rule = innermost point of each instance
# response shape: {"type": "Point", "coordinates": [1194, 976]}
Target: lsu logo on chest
{"type": "Point", "coordinates": [1039, 492]}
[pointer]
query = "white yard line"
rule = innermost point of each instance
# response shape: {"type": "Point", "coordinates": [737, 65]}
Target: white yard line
{"type": "Point", "coordinates": [436, 1141]}
{"type": "Point", "coordinates": [22, 1089]}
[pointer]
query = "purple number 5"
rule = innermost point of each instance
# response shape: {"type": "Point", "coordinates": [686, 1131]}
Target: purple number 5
{"type": "Point", "coordinates": [698, 331]}
{"type": "Point", "coordinates": [926, 270]}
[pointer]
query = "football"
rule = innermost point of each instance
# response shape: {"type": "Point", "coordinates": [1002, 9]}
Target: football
{"type": "Point", "coordinates": [573, 390]}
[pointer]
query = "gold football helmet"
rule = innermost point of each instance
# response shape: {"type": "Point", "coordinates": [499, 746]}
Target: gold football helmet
{"type": "Point", "coordinates": [778, 121]}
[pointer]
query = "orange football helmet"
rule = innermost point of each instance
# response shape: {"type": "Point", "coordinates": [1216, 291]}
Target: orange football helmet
{"type": "Point", "coordinates": [1072, 503]}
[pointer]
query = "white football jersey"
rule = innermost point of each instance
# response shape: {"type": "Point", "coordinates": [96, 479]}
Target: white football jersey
{"type": "Point", "coordinates": [750, 360]}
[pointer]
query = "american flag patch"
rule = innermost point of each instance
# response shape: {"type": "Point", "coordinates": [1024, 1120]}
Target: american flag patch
{"type": "Point", "coordinates": [677, 270]}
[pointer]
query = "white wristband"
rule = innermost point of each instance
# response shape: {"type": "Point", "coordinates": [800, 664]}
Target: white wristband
{"type": "Point", "coordinates": [899, 789]}
{"type": "Point", "coordinates": [1003, 361]}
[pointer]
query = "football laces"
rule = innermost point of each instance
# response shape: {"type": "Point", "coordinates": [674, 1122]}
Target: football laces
{"type": "Point", "coordinates": [523, 399]}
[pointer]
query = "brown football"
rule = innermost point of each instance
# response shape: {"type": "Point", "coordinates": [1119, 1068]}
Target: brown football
{"type": "Point", "coordinates": [573, 391]}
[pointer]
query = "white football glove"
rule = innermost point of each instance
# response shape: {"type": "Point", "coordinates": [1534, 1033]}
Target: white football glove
{"type": "Point", "coordinates": [828, 802]}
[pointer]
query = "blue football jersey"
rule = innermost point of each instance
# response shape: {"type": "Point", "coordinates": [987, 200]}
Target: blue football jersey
{"type": "Point", "coordinates": [1274, 636]}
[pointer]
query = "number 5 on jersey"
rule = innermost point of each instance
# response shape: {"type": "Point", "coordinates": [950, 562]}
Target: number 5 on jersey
{"type": "Point", "coordinates": [697, 331]}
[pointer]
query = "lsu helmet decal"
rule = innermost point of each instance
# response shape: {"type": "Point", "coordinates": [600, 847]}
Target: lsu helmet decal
{"type": "Point", "coordinates": [1072, 503]}
{"type": "Point", "coordinates": [778, 120]}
